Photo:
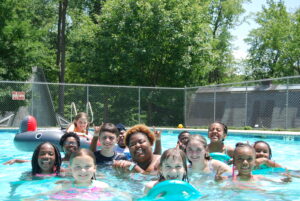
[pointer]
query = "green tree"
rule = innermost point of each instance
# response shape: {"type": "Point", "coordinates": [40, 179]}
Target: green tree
{"type": "Point", "coordinates": [223, 16]}
{"type": "Point", "coordinates": [274, 45]}
{"type": "Point", "coordinates": [151, 43]}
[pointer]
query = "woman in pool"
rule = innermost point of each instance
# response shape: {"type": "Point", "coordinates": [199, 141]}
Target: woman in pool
{"type": "Point", "coordinates": [201, 162]}
{"type": "Point", "coordinates": [46, 160]}
{"type": "Point", "coordinates": [140, 140]}
{"type": "Point", "coordinates": [263, 155]}
{"type": "Point", "coordinates": [172, 166]}
{"type": "Point", "coordinates": [183, 138]}
{"type": "Point", "coordinates": [217, 132]}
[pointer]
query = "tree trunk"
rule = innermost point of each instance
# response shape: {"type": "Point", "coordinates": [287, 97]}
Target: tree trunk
{"type": "Point", "coordinates": [61, 52]}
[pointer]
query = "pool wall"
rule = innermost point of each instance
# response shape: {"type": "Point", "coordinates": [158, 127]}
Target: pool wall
{"type": "Point", "coordinates": [282, 135]}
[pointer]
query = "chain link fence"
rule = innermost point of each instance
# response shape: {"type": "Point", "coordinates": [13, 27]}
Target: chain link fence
{"type": "Point", "coordinates": [129, 105]}
{"type": "Point", "coordinates": [272, 103]}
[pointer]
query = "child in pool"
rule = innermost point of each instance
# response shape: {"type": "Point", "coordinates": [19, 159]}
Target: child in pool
{"type": "Point", "coordinates": [217, 132]}
{"type": "Point", "coordinates": [201, 162]}
{"type": "Point", "coordinates": [84, 186]}
{"type": "Point", "coordinates": [244, 162]}
{"type": "Point", "coordinates": [173, 165]}
{"type": "Point", "coordinates": [46, 160]}
{"type": "Point", "coordinates": [69, 143]}
{"type": "Point", "coordinates": [107, 134]}
{"type": "Point", "coordinates": [263, 155]}
{"type": "Point", "coordinates": [203, 167]}
{"type": "Point", "coordinates": [183, 138]}
{"type": "Point", "coordinates": [80, 125]}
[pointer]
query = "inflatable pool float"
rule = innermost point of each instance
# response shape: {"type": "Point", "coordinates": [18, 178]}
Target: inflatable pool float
{"type": "Point", "coordinates": [172, 190]}
{"type": "Point", "coordinates": [220, 156]}
{"type": "Point", "coordinates": [269, 170]}
{"type": "Point", "coordinates": [29, 137]}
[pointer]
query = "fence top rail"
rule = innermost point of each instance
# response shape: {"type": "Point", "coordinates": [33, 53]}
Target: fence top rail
{"type": "Point", "coordinates": [245, 82]}
{"type": "Point", "coordinates": [89, 85]}
{"type": "Point", "coordinates": [146, 87]}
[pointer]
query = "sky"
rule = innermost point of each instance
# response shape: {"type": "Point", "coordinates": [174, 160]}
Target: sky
{"type": "Point", "coordinates": [241, 31]}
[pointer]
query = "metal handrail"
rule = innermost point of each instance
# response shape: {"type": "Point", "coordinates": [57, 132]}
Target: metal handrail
{"type": "Point", "coordinates": [89, 108]}
{"type": "Point", "coordinates": [73, 109]}
{"type": "Point", "coordinates": [6, 119]}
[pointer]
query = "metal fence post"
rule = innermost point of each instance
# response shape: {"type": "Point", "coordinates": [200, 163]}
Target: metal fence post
{"type": "Point", "coordinates": [246, 105]}
{"type": "Point", "coordinates": [214, 103]}
{"type": "Point", "coordinates": [287, 103]}
{"type": "Point", "coordinates": [87, 98]}
{"type": "Point", "coordinates": [32, 99]}
{"type": "Point", "coordinates": [184, 106]}
{"type": "Point", "coordinates": [139, 105]}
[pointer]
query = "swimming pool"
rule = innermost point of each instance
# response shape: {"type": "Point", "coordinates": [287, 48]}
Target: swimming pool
{"type": "Point", "coordinates": [284, 152]}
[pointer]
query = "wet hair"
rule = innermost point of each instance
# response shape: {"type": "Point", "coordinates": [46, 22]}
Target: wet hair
{"type": "Point", "coordinates": [36, 169]}
{"type": "Point", "coordinates": [260, 141]}
{"type": "Point", "coordinates": [241, 145]}
{"type": "Point", "coordinates": [109, 127]}
{"type": "Point", "coordinates": [65, 136]}
{"type": "Point", "coordinates": [202, 140]}
{"type": "Point", "coordinates": [82, 115]}
{"type": "Point", "coordinates": [183, 132]}
{"type": "Point", "coordinates": [174, 153]}
{"type": "Point", "coordinates": [83, 152]}
{"type": "Point", "coordinates": [222, 124]}
{"type": "Point", "coordinates": [140, 128]}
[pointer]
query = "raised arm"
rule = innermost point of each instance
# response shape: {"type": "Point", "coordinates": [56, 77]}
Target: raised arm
{"type": "Point", "coordinates": [157, 148]}
{"type": "Point", "coordinates": [93, 146]}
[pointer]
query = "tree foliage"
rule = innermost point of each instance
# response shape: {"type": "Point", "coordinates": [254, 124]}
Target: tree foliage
{"type": "Point", "coordinates": [274, 45]}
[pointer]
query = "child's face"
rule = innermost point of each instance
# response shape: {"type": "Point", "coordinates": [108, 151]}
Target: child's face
{"type": "Point", "coordinates": [108, 140]}
{"type": "Point", "coordinates": [46, 158]}
{"type": "Point", "coordinates": [184, 138]}
{"type": "Point", "coordinates": [216, 132]}
{"type": "Point", "coordinates": [83, 168]}
{"type": "Point", "coordinates": [82, 123]}
{"type": "Point", "coordinates": [262, 150]}
{"type": "Point", "coordinates": [172, 168]}
{"type": "Point", "coordinates": [244, 160]}
{"type": "Point", "coordinates": [195, 151]}
{"type": "Point", "coordinates": [121, 138]}
{"type": "Point", "coordinates": [70, 145]}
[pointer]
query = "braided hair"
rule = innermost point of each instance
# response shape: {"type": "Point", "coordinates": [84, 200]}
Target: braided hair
{"type": "Point", "coordinates": [36, 169]}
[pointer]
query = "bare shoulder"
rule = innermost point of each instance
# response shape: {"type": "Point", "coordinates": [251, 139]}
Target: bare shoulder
{"type": "Point", "coordinates": [230, 150]}
{"type": "Point", "coordinates": [71, 128]}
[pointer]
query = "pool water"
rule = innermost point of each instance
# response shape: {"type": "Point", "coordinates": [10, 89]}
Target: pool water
{"type": "Point", "coordinates": [285, 153]}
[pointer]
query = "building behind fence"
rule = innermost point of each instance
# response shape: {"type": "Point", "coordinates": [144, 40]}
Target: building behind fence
{"type": "Point", "coordinates": [259, 104]}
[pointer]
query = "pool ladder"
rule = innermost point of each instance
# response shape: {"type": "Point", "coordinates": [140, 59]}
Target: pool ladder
{"type": "Point", "coordinates": [89, 111]}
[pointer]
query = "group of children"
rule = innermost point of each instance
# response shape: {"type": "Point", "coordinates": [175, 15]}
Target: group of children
{"type": "Point", "coordinates": [190, 160]}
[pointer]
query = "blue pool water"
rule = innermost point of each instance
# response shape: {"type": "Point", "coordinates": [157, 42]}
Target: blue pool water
{"type": "Point", "coordinates": [284, 152]}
